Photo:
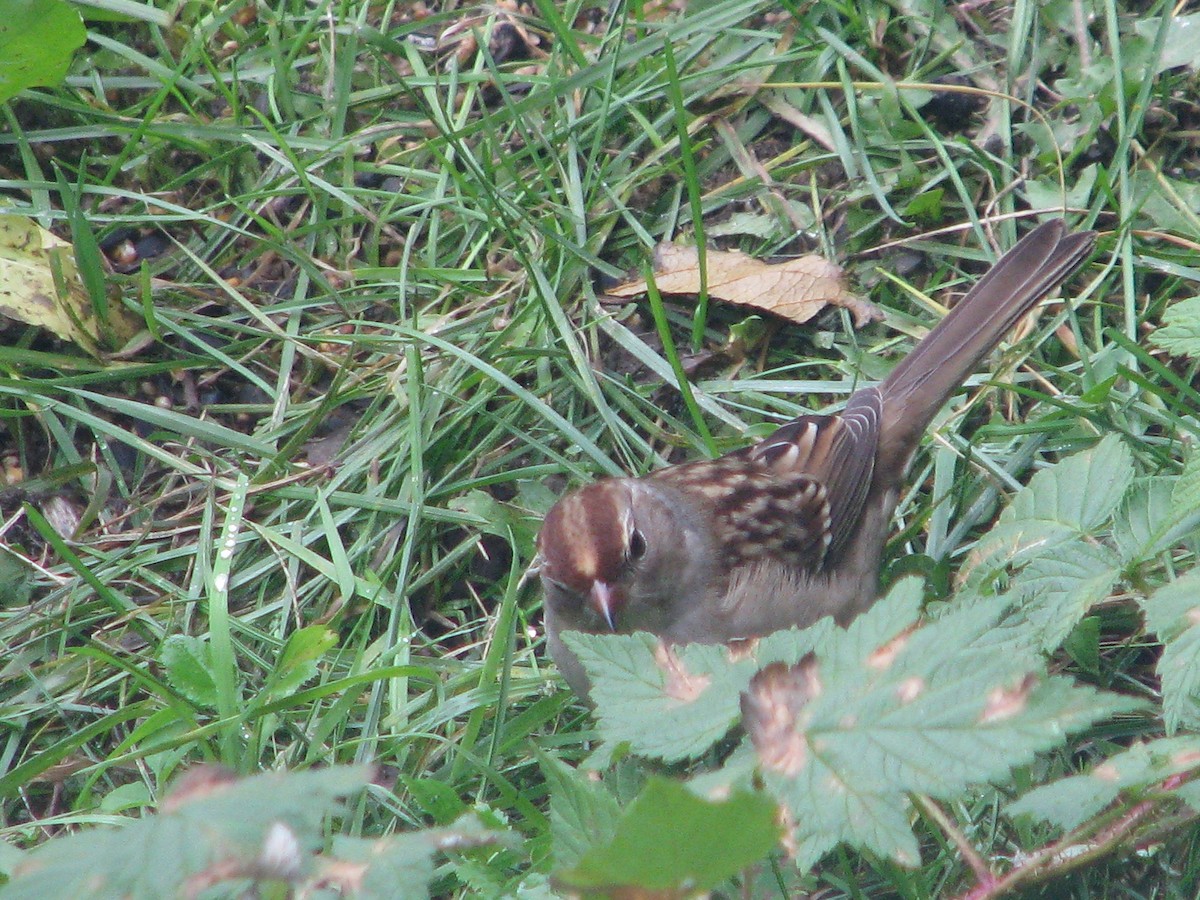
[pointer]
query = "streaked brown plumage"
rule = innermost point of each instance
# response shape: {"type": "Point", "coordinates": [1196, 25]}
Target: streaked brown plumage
{"type": "Point", "coordinates": [792, 528]}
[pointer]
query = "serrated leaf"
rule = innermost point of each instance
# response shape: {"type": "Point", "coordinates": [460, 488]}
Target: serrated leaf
{"type": "Point", "coordinates": [886, 620]}
{"type": "Point", "coordinates": [400, 865]}
{"type": "Point", "coordinates": [787, 646]}
{"type": "Point", "coordinates": [674, 704]}
{"type": "Point", "coordinates": [845, 735]}
{"type": "Point", "coordinates": [1058, 589]}
{"type": "Point", "coordinates": [1069, 802]}
{"type": "Point", "coordinates": [1180, 329]}
{"type": "Point", "coordinates": [668, 703]}
{"type": "Point", "coordinates": [669, 838]}
{"type": "Point", "coordinates": [1189, 793]}
{"type": "Point", "coordinates": [1173, 613]}
{"type": "Point", "coordinates": [1072, 499]}
{"type": "Point", "coordinates": [583, 813]}
{"type": "Point", "coordinates": [211, 821]}
{"type": "Point", "coordinates": [1150, 522]}
{"type": "Point", "coordinates": [739, 772]}
{"type": "Point", "coordinates": [1080, 492]}
{"type": "Point", "coordinates": [1179, 671]}
{"type": "Point", "coordinates": [879, 823]}
{"type": "Point", "coordinates": [187, 662]}
{"type": "Point", "coordinates": [1174, 607]}
{"type": "Point", "coordinates": [1185, 496]}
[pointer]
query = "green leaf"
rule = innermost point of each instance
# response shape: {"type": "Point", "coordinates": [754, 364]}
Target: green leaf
{"type": "Point", "coordinates": [583, 813]}
{"type": "Point", "coordinates": [188, 665]}
{"type": "Point", "coordinates": [16, 581]}
{"type": "Point", "coordinates": [298, 661]}
{"type": "Point", "coordinates": [675, 704]}
{"type": "Point", "coordinates": [1180, 330]}
{"type": "Point", "coordinates": [1079, 493]}
{"type": "Point", "coordinates": [1174, 607]}
{"type": "Point", "coordinates": [879, 823]}
{"type": "Point", "coordinates": [667, 703]}
{"type": "Point", "coordinates": [1150, 521]}
{"type": "Point", "coordinates": [1069, 500]}
{"type": "Point", "coordinates": [210, 822]}
{"type": "Point", "coordinates": [1179, 671]}
{"type": "Point", "coordinates": [760, 225]}
{"type": "Point", "coordinates": [926, 206]}
{"type": "Point", "coordinates": [844, 737]}
{"type": "Point", "coordinates": [1071, 801]}
{"type": "Point", "coordinates": [669, 838]}
{"type": "Point", "coordinates": [1185, 496]}
{"type": "Point", "coordinates": [1048, 191]}
{"type": "Point", "coordinates": [495, 517]}
{"type": "Point", "coordinates": [437, 799]}
{"type": "Point", "coordinates": [881, 623]}
{"type": "Point", "coordinates": [10, 858]}
{"type": "Point", "coordinates": [37, 40]}
{"type": "Point", "coordinates": [1058, 589]}
{"type": "Point", "coordinates": [1173, 613]}
{"type": "Point", "coordinates": [127, 796]}
{"type": "Point", "coordinates": [401, 865]}
{"type": "Point", "coordinates": [1083, 645]}
{"type": "Point", "coordinates": [1171, 204]}
{"type": "Point", "coordinates": [1182, 46]}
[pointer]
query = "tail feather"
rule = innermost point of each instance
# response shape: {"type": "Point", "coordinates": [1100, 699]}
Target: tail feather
{"type": "Point", "coordinates": [923, 381]}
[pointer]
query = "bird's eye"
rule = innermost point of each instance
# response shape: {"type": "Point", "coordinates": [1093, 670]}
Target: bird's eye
{"type": "Point", "coordinates": [637, 545]}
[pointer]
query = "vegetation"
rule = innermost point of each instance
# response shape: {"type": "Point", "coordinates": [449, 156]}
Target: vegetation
{"type": "Point", "coordinates": [279, 529]}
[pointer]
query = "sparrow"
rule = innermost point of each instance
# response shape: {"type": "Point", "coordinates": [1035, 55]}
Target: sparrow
{"type": "Point", "coordinates": [791, 529]}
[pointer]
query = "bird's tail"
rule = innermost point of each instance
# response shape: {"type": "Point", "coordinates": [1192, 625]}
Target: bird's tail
{"type": "Point", "coordinates": [924, 380]}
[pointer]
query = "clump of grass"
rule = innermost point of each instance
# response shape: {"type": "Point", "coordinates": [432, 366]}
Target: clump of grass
{"type": "Point", "coordinates": [368, 268]}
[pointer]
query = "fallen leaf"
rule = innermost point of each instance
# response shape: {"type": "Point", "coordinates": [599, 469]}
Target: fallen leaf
{"type": "Point", "coordinates": [796, 289]}
{"type": "Point", "coordinates": [39, 285]}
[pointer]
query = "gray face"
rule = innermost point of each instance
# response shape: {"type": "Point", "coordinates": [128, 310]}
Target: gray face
{"type": "Point", "coordinates": [625, 555]}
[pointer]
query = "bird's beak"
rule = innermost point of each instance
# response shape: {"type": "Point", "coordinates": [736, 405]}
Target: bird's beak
{"type": "Point", "coordinates": [604, 600]}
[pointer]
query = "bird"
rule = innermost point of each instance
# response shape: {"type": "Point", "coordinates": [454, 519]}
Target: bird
{"type": "Point", "coordinates": [788, 530]}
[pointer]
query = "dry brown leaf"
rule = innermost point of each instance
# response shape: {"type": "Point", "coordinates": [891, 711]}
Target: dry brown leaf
{"type": "Point", "coordinates": [772, 714]}
{"type": "Point", "coordinates": [796, 289]}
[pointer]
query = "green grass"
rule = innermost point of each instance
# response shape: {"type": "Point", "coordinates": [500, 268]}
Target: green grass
{"type": "Point", "coordinates": [375, 356]}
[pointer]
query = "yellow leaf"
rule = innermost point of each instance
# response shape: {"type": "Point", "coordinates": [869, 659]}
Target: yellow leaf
{"type": "Point", "coordinates": [40, 285]}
